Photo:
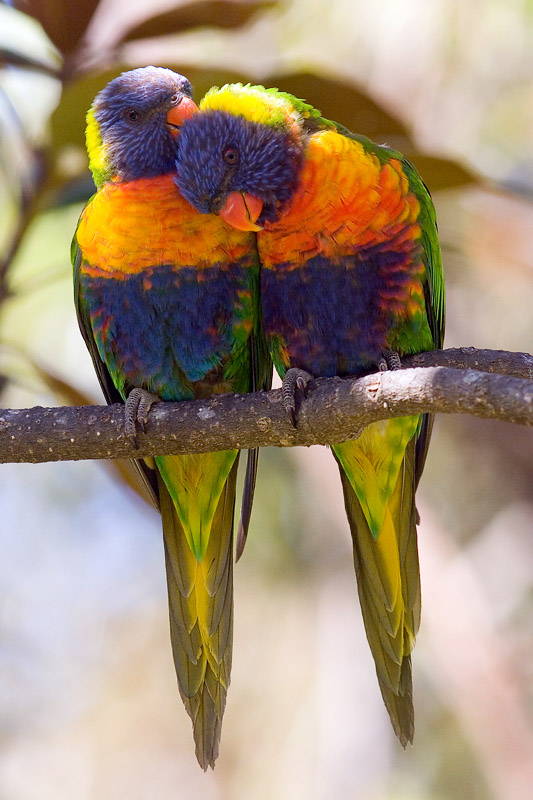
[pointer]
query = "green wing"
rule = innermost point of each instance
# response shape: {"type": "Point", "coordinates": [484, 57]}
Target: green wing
{"type": "Point", "coordinates": [435, 298]}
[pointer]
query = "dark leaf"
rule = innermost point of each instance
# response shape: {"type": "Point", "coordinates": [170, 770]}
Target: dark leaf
{"type": "Point", "coordinates": [27, 62]}
{"type": "Point", "coordinates": [215, 14]}
{"type": "Point", "coordinates": [64, 21]}
{"type": "Point", "coordinates": [440, 173]}
{"type": "Point", "coordinates": [343, 103]}
{"type": "Point", "coordinates": [76, 190]}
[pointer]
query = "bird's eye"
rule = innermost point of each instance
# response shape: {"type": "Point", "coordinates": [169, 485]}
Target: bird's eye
{"type": "Point", "coordinates": [231, 156]}
{"type": "Point", "coordinates": [175, 99]}
{"type": "Point", "coordinates": [132, 115]}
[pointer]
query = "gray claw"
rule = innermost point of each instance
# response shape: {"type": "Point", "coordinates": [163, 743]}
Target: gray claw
{"type": "Point", "coordinates": [294, 380]}
{"type": "Point", "coordinates": [136, 412]}
{"type": "Point", "coordinates": [389, 360]}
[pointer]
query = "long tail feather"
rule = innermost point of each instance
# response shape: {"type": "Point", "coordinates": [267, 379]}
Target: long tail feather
{"type": "Point", "coordinates": [261, 374]}
{"type": "Point", "coordinates": [201, 616]}
{"type": "Point", "coordinates": [388, 584]}
{"type": "Point", "coordinates": [247, 500]}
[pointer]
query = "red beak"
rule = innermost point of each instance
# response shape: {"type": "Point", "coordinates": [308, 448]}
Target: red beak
{"type": "Point", "coordinates": [241, 211]}
{"type": "Point", "coordinates": [179, 113]}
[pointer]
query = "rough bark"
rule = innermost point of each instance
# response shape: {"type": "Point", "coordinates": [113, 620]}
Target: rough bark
{"type": "Point", "coordinates": [484, 383]}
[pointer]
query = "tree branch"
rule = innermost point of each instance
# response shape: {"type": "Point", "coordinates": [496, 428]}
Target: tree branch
{"type": "Point", "coordinates": [499, 387]}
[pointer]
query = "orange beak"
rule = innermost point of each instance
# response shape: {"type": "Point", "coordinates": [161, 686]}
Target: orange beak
{"type": "Point", "coordinates": [241, 211]}
{"type": "Point", "coordinates": [179, 113]}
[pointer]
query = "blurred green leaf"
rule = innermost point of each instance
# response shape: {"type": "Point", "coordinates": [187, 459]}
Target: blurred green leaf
{"type": "Point", "coordinates": [217, 14]}
{"type": "Point", "coordinates": [64, 21]}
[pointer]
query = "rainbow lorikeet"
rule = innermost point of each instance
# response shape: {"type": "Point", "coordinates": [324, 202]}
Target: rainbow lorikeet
{"type": "Point", "coordinates": [351, 279]}
{"type": "Point", "coordinates": [166, 300]}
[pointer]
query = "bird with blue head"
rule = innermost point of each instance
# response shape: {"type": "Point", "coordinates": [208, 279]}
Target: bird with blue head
{"type": "Point", "coordinates": [350, 280]}
{"type": "Point", "coordinates": [167, 302]}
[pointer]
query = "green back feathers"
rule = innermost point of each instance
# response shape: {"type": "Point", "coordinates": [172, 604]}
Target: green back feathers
{"type": "Point", "coordinates": [432, 253]}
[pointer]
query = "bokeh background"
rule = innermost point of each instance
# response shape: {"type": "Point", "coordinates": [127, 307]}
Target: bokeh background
{"type": "Point", "coordinates": [89, 706]}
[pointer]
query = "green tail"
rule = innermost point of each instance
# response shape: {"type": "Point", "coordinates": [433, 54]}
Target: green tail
{"type": "Point", "coordinates": [199, 565]}
{"type": "Point", "coordinates": [386, 557]}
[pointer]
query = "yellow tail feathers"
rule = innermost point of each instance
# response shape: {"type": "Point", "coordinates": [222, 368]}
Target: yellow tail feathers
{"type": "Point", "coordinates": [195, 483]}
{"type": "Point", "coordinates": [200, 593]}
{"type": "Point", "coordinates": [386, 563]}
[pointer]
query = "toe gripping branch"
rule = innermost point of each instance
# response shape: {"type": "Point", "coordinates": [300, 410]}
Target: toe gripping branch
{"type": "Point", "coordinates": [136, 410]}
{"type": "Point", "coordinates": [390, 359]}
{"type": "Point", "coordinates": [294, 381]}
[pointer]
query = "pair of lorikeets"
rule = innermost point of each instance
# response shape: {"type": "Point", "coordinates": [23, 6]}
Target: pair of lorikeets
{"type": "Point", "coordinates": [220, 241]}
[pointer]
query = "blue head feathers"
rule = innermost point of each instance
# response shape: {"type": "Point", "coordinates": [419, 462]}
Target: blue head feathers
{"type": "Point", "coordinates": [219, 153]}
{"type": "Point", "coordinates": [128, 134]}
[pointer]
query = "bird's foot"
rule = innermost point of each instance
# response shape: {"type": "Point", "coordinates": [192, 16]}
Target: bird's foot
{"type": "Point", "coordinates": [389, 360]}
{"type": "Point", "coordinates": [295, 380]}
{"type": "Point", "coordinates": [136, 411]}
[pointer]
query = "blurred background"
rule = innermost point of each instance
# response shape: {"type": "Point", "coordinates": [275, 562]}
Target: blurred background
{"type": "Point", "coordinates": [88, 700]}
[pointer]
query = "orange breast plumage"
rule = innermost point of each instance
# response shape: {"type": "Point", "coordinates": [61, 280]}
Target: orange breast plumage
{"type": "Point", "coordinates": [130, 227]}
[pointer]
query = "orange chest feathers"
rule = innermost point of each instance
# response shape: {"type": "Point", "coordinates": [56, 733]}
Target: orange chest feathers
{"type": "Point", "coordinates": [129, 228]}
